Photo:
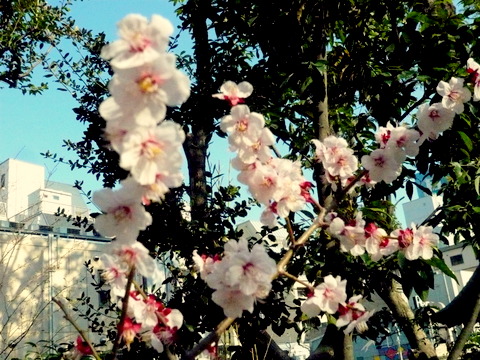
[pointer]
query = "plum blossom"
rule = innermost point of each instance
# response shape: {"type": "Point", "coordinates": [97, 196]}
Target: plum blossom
{"type": "Point", "coordinates": [399, 140]}
{"type": "Point", "coordinates": [378, 243]}
{"type": "Point", "coordinates": [148, 152]}
{"type": "Point", "coordinates": [140, 41]}
{"type": "Point", "coordinates": [146, 91]}
{"type": "Point", "coordinates": [417, 243]}
{"type": "Point", "coordinates": [129, 330]}
{"type": "Point", "coordinates": [244, 127]}
{"type": "Point", "coordinates": [382, 165]}
{"type": "Point", "coordinates": [354, 315]}
{"type": "Point", "coordinates": [473, 69]}
{"type": "Point", "coordinates": [454, 94]}
{"type": "Point", "coordinates": [136, 255]}
{"type": "Point", "coordinates": [337, 158]}
{"type": "Point", "coordinates": [241, 277]}
{"type": "Point", "coordinates": [114, 275]}
{"type": "Point", "coordinates": [233, 93]}
{"type": "Point", "coordinates": [326, 297]}
{"type": "Point", "coordinates": [205, 265]}
{"type": "Point", "coordinates": [434, 119]}
{"type": "Point", "coordinates": [351, 235]}
{"type": "Point", "coordinates": [123, 214]}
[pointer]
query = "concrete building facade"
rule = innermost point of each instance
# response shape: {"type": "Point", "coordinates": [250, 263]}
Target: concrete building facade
{"type": "Point", "coordinates": [41, 256]}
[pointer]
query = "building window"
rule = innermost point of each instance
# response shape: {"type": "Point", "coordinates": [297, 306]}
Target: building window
{"type": "Point", "coordinates": [302, 292]}
{"type": "Point", "coordinates": [2, 181]}
{"type": "Point", "coordinates": [456, 260]}
{"type": "Point", "coordinates": [56, 197]}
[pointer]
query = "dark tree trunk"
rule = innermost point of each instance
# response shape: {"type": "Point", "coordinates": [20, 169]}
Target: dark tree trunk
{"type": "Point", "coordinates": [393, 295]}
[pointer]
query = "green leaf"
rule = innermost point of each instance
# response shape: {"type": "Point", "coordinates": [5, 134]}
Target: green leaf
{"type": "Point", "coordinates": [466, 140]}
{"type": "Point", "coordinates": [409, 189]}
{"type": "Point", "coordinates": [442, 266]}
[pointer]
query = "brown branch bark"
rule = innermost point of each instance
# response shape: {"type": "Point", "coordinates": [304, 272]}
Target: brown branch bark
{"type": "Point", "coordinates": [393, 295]}
{"type": "Point", "coordinates": [466, 331]}
{"type": "Point", "coordinates": [200, 111]}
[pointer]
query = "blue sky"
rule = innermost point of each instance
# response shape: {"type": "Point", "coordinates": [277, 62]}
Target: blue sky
{"type": "Point", "coordinates": [31, 125]}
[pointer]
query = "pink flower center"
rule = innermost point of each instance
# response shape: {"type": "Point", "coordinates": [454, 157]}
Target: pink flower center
{"type": "Point", "coordinates": [384, 243]}
{"type": "Point", "coordinates": [434, 114]}
{"type": "Point", "coordinates": [139, 43]}
{"type": "Point", "coordinates": [242, 125]}
{"type": "Point", "coordinates": [379, 161]}
{"type": "Point", "coordinates": [386, 136]}
{"type": "Point", "coordinates": [151, 149]}
{"type": "Point", "coordinates": [149, 83]}
{"type": "Point", "coordinates": [122, 213]}
{"type": "Point", "coordinates": [405, 238]}
{"type": "Point", "coordinates": [454, 95]}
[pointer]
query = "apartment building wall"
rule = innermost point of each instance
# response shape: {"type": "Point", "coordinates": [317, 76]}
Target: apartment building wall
{"type": "Point", "coordinates": [34, 267]}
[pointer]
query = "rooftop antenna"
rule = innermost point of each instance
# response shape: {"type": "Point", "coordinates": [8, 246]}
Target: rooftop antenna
{"type": "Point", "coordinates": [18, 153]}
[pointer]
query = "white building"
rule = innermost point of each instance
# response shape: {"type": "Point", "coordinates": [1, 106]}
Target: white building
{"type": "Point", "coordinates": [41, 256]}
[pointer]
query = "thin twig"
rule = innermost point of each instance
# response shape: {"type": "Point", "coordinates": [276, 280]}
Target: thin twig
{"type": "Point", "coordinates": [352, 183]}
{"type": "Point", "coordinates": [125, 299]}
{"type": "Point", "coordinates": [82, 332]}
{"type": "Point", "coordinates": [290, 230]}
{"type": "Point", "coordinates": [139, 289]}
{"type": "Point", "coordinates": [223, 326]}
{"type": "Point", "coordinates": [296, 279]}
{"type": "Point", "coordinates": [466, 332]}
{"type": "Point", "coordinates": [207, 340]}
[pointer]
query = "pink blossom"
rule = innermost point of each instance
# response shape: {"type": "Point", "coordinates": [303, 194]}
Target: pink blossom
{"type": "Point", "coordinates": [233, 93]}
{"type": "Point", "coordinates": [422, 244]}
{"type": "Point", "coordinates": [326, 297]}
{"type": "Point", "coordinates": [243, 127]}
{"type": "Point", "coordinates": [241, 277]}
{"type": "Point", "coordinates": [80, 350]}
{"type": "Point", "coordinates": [454, 94]}
{"type": "Point", "coordinates": [123, 214]}
{"type": "Point", "coordinates": [148, 152]}
{"type": "Point", "coordinates": [114, 275]}
{"type": "Point", "coordinates": [140, 41]}
{"type": "Point", "coordinates": [259, 149]}
{"type": "Point", "coordinates": [434, 119]}
{"type": "Point", "coordinates": [147, 90]}
{"type": "Point", "coordinates": [400, 140]}
{"type": "Point", "coordinates": [145, 310]}
{"type": "Point", "coordinates": [378, 243]}
{"type": "Point", "coordinates": [473, 69]}
{"type": "Point", "coordinates": [382, 165]}
{"type": "Point", "coordinates": [416, 243]}
{"type": "Point", "coordinates": [136, 255]}
{"type": "Point", "coordinates": [351, 235]}
{"type": "Point", "coordinates": [129, 330]}
{"type": "Point", "coordinates": [205, 265]}
{"type": "Point", "coordinates": [354, 315]}
{"type": "Point", "coordinates": [337, 158]}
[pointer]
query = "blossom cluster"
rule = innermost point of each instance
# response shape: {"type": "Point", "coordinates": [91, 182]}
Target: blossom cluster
{"type": "Point", "coordinates": [358, 237]}
{"type": "Point", "coordinates": [331, 297]}
{"type": "Point", "coordinates": [396, 143]}
{"type": "Point", "coordinates": [144, 83]}
{"type": "Point", "coordinates": [240, 278]}
{"type": "Point", "coordinates": [276, 183]}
